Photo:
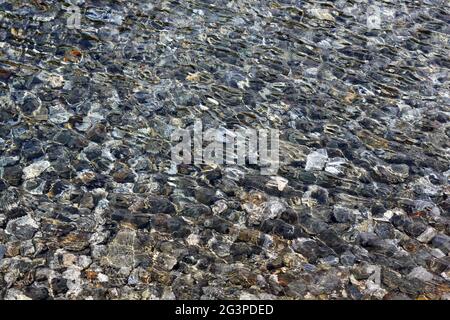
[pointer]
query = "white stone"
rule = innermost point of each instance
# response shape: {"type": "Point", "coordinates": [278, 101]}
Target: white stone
{"type": "Point", "coordinates": [247, 296]}
{"type": "Point", "coordinates": [102, 277]}
{"type": "Point", "coordinates": [437, 253]}
{"type": "Point", "coordinates": [273, 209]}
{"type": "Point", "coordinates": [54, 80]}
{"type": "Point", "coordinates": [420, 273]}
{"type": "Point", "coordinates": [322, 14]}
{"type": "Point", "coordinates": [427, 235]}
{"type": "Point", "coordinates": [34, 170]}
{"type": "Point", "coordinates": [58, 114]}
{"type": "Point", "coordinates": [219, 207]}
{"type": "Point", "coordinates": [193, 239]}
{"type": "Point", "coordinates": [213, 101]}
{"type": "Point", "coordinates": [14, 294]}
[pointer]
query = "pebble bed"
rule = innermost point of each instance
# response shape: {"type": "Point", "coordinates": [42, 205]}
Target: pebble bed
{"type": "Point", "coordinates": [91, 208]}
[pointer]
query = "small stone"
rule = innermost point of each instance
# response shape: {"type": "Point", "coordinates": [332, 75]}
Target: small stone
{"type": "Point", "coordinates": [218, 224]}
{"type": "Point", "coordinates": [441, 264]}
{"type": "Point", "coordinates": [391, 174]}
{"type": "Point", "coordinates": [22, 228]}
{"type": "Point", "coordinates": [3, 185]}
{"type": "Point", "coordinates": [140, 221]}
{"type": "Point", "coordinates": [348, 258]}
{"type": "Point", "coordinates": [344, 215]}
{"type": "Point", "coordinates": [267, 210]}
{"type": "Point", "coordinates": [30, 104]}
{"type": "Point", "coordinates": [68, 259]}
{"type": "Point", "coordinates": [212, 101]}
{"type": "Point", "coordinates": [206, 195]}
{"type": "Point", "coordinates": [368, 239]}
{"type": "Point", "coordinates": [36, 293]}
{"type": "Point", "coordinates": [14, 294]}
{"type": "Point", "coordinates": [5, 74]}
{"type": "Point", "coordinates": [54, 80]}
{"type": "Point", "coordinates": [32, 149]}
{"type": "Point", "coordinates": [102, 277]}
{"type": "Point", "coordinates": [87, 176]}
{"type": "Point", "coordinates": [59, 286]}
{"type": "Point", "coordinates": [58, 114]}
{"type": "Point", "coordinates": [310, 249]}
{"type": "Point", "coordinates": [75, 240]}
{"type": "Point", "coordinates": [2, 251]}
{"type": "Point", "coordinates": [87, 201]}
{"type": "Point", "coordinates": [124, 175]}
{"type": "Point", "coordinates": [315, 194]}
{"type": "Point", "coordinates": [427, 235]}
{"type": "Point", "coordinates": [219, 207]}
{"type": "Point", "coordinates": [385, 230]}
{"type": "Point", "coordinates": [34, 170]}
{"type": "Point", "coordinates": [442, 242]}
{"type": "Point", "coordinates": [297, 288]}
{"type": "Point", "coordinates": [155, 204]}
{"type": "Point", "coordinates": [322, 14]}
{"type": "Point", "coordinates": [13, 175]}
{"type": "Point", "coordinates": [329, 261]}
{"type": "Point", "coordinates": [421, 273]}
{"type": "Point", "coordinates": [415, 228]}
{"type": "Point", "coordinates": [97, 133]}
{"type": "Point", "coordinates": [196, 210]}
{"type": "Point", "coordinates": [312, 225]}
{"type": "Point", "coordinates": [333, 240]}
{"type": "Point", "coordinates": [9, 200]}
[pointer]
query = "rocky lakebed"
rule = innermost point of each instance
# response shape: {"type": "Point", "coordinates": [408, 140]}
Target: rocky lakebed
{"type": "Point", "coordinates": [92, 207]}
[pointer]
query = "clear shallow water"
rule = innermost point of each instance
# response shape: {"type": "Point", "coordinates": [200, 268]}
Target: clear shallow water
{"type": "Point", "coordinates": [89, 206]}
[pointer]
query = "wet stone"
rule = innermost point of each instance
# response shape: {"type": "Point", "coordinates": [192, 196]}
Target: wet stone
{"type": "Point", "coordinates": [415, 229]}
{"type": "Point", "coordinates": [196, 210]}
{"type": "Point", "coordinates": [29, 105]}
{"type": "Point", "coordinates": [15, 213]}
{"type": "Point", "coordinates": [158, 205]}
{"type": "Point", "coordinates": [140, 221]}
{"type": "Point", "coordinates": [35, 169]}
{"type": "Point", "coordinates": [92, 205]}
{"type": "Point", "coordinates": [59, 286]}
{"type": "Point", "coordinates": [97, 133]}
{"type": "Point", "coordinates": [124, 175]}
{"type": "Point", "coordinates": [206, 196]}
{"type": "Point", "coordinates": [344, 215]}
{"type": "Point", "coordinates": [348, 259]}
{"type": "Point", "coordinates": [332, 240]}
{"type": "Point", "coordinates": [311, 250]}
{"type": "Point", "coordinates": [442, 242]}
{"type": "Point", "coordinates": [13, 175]}
{"type": "Point", "coordinates": [421, 274]}
{"type": "Point", "coordinates": [385, 230]}
{"type": "Point", "coordinates": [2, 251]}
{"type": "Point", "coordinates": [22, 228]}
{"type": "Point", "coordinates": [32, 149]}
{"type": "Point", "coordinates": [37, 293]}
